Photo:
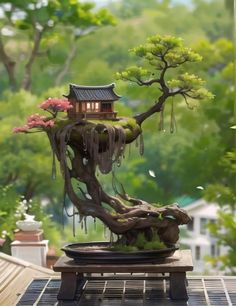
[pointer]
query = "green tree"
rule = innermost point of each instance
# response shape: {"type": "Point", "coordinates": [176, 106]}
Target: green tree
{"type": "Point", "coordinates": [35, 21]}
{"type": "Point", "coordinates": [224, 229]}
{"type": "Point", "coordinates": [12, 209]}
{"type": "Point", "coordinates": [84, 146]}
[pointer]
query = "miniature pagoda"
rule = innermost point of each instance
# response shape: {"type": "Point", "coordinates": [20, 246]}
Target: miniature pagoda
{"type": "Point", "coordinates": [92, 102]}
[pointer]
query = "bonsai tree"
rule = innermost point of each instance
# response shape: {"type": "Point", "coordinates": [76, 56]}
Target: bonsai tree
{"type": "Point", "coordinates": [84, 146]}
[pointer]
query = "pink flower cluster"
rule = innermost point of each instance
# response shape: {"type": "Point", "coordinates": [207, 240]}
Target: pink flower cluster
{"type": "Point", "coordinates": [34, 121]}
{"type": "Point", "coordinates": [20, 129]}
{"type": "Point", "coordinates": [39, 121]}
{"type": "Point", "coordinates": [56, 105]}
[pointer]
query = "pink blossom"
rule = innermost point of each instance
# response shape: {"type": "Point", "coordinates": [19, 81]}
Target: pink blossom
{"type": "Point", "coordinates": [35, 121]}
{"type": "Point", "coordinates": [20, 129]}
{"type": "Point", "coordinates": [56, 105]}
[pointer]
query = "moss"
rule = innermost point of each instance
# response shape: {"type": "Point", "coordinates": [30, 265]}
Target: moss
{"type": "Point", "coordinates": [125, 122]}
{"type": "Point", "coordinates": [129, 124]}
{"type": "Point", "coordinates": [123, 248]}
{"type": "Point", "coordinates": [154, 245]}
{"type": "Point", "coordinates": [143, 244]}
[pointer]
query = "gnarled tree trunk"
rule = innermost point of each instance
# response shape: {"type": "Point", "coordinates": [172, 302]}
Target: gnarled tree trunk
{"type": "Point", "coordinates": [83, 147]}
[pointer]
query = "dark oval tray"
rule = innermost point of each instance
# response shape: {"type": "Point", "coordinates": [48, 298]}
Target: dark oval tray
{"type": "Point", "coordinates": [112, 257]}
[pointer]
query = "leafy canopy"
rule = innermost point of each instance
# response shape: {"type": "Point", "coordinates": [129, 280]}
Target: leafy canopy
{"type": "Point", "coordinates": [158, 55]}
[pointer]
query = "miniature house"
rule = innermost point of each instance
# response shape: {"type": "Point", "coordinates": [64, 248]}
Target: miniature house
{"type": "Point", "coordinates": [92, 102]}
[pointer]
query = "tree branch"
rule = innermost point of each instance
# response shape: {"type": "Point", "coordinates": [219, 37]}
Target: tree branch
{"type": "Point", "coordinates": [9, 64]}
{"type": "Point", "coordinates": [167, 92]}
{"type": "Point", "coordinates": [26, 84]}
{"type": "Point", "coordinates": [66, 67]}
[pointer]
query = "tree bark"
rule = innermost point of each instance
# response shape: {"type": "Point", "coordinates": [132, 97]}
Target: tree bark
{"type": "Point", "coordinates": [67, 64]}
{"type": "Point", "coordinates": [120, 218]}
{"type": "Point", "coordinates": [9, 64]}
{"type": "Point", "coordinates": [157, 107]}
{"type": "Point", "coordinates": [27, 79]}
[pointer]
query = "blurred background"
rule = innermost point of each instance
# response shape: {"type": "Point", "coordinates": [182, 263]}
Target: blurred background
{"type": "Point", "coordinates": [45, 45]}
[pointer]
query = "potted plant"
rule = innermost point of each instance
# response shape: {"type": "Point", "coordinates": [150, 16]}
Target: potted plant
{"type": "Point", "coordinates": [83, 145]}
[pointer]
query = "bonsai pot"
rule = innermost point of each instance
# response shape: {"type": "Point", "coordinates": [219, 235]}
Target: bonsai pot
{"type": "Point", "coordinates": [100, 253]}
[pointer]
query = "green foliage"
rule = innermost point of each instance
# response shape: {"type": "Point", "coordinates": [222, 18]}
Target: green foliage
{"type": "Point", "coordinates": [181, 161]}
{"type": "Point", "coordinates": [224, 194]}
{"type": "Point", "coordinates": [143, 244]}
{"type": "Point", "coordinates": [162, 53]}
{"type": "Point", "coordinates": [35, 21]}
{"type": "Point", "coordinates": [192, 84]}
{"type": "Point", "coordinates": [12, 209]}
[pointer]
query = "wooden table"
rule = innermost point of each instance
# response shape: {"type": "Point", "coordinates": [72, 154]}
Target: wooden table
{"type": "Point", "coordinates": [73, 274]}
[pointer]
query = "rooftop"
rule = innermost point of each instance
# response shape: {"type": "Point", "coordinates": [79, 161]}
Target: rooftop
{"type": "Point", "coordinates": [92, 93]}
{"type": "Point", "coordinates": [22, 283]}
{"type": "Point", "coordinates": [202, 291]}
{"type": "Point", "coordinates": [15, 276]}
{"type": "Point", "coordinates": [184, 200]}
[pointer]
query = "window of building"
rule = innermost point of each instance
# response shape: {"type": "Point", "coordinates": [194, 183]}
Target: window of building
{"type": "Point", "coordinates": [197, 252]}
{"type": "Point", "coordinates": [91, 107]}
{"type": "Point", "coordinates": [88, 106]}
{"type": "Point", "coordinates": [213, 250]}
{"type": "Point", "coordinates": [190, 225]}
{"type": "Point", "coordinates": [106, 107]}
{"type": "Point", "coordinates": [211, 221]}
{"type": "Point", "coordinates": [203, 226]}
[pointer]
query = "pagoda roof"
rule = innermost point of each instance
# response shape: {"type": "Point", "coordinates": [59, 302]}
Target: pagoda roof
{"type": "Point", "coordinates": [92, 93]}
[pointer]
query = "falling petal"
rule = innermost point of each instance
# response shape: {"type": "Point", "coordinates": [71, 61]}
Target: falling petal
{"type": "Point", "coordinates": [233, 127]}
{"type": "Point", "coordinates": [88, 196]}
{"type": "Point", "coordinates": [200, 187]}
{"type": "Point", "coordinates": [151, 173]}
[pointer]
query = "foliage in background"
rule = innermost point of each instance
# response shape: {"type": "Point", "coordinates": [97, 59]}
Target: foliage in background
{"type": "Point", "coordinates": [35, 23]}
{"type": "Point", "coordinates": [12, 209]}
{"type": "Point", "coordinates": [223, 192]}
{"type": "Point", "coordinates": [182, 161]}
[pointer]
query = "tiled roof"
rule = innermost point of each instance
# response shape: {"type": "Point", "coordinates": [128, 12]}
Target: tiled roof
{"type": "Point", "coordinates": [92, 93]}
{"type": "Point", "coordinates": [15, 276]}
{"type": "Point", "coordinates": [185, 200]}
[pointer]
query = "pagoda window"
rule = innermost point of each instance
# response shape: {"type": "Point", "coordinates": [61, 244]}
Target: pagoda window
{"type": "Point", "coordinates": [88, 106]}
{"type": "Point", "coordinates": [106, 107]}
{"type": "Point", "coordinates": [96, 106]}
{"type": "Point", "coordinates": [92, 106]}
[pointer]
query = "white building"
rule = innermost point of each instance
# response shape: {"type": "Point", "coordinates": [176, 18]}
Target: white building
{"type": "Point", "coordinates": [196, 235]}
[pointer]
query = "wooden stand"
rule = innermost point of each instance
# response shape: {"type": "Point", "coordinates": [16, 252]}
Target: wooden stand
{"type": "Point", "coordinates": [73, 275]}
